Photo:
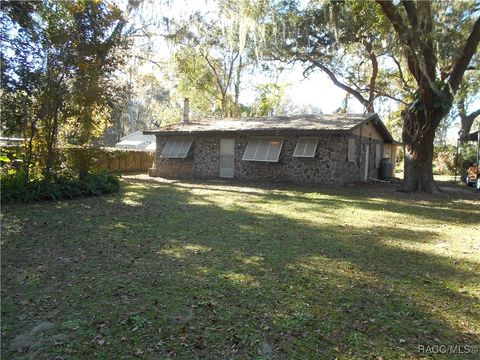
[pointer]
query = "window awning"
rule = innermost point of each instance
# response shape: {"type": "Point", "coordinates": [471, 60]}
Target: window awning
{"type": "Point", "coordinates": [177, 148]}
{"type": "Point", "coordinates": [306, 147]}
{"type": "Point", "coordinates": [263, 149]}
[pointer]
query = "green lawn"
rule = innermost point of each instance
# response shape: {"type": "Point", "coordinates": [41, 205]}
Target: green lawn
{"type": "Point", "coordinates": [218, 271]}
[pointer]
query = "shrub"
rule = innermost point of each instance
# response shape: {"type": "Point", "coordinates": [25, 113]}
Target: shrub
{"type": "Point", "coordinates": [15, 188]}
{"type": "Point", "coordinates": [13, 185]}
{"type": "Point", "coordinates": [467, 156]}
{"type": "Point", "coordinates": [444, 160]}
{"type": "Point", "coordinates": [79, 160]}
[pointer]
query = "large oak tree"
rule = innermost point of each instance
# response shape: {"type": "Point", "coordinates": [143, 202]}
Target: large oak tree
{"type": "Point", "coordinates": [416, 52]}
{"type": "Point", "coordinates": [418, 31]}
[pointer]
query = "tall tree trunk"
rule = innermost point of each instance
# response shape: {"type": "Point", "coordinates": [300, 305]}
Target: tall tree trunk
{"type": "Point", "coordinates": [237, 87]}
{"type": "Point", "coordinates": [421, 119]}
{"type": "Point", "coordinates": [420, 122]}
{"type": "Point", "coordinates": [224, 104]}
{"type": "Point", "coordinates": [51, 147]}
{"type": "Point", "coordinates": [29, 150]}
{"type": "Point", "coordinates": [131, 115]}
{"type": "Point", "coordinates": [418, 171]}
{"type": "Point", "coordinates": [52, 132]}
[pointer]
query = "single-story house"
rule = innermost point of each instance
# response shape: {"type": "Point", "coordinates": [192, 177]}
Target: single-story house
{"type": "Point", "coordinates": [137, 141]}
{"type": "Point", "coordinates": [304, 149]}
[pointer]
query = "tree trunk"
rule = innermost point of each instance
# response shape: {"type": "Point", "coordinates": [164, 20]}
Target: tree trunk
{"type": "Point", "coordinates": [418, 135]}
{"type": "Point", "coordinates": [224, 104]}
{"type": "Point", "coordinates": [237, 87]}
{"type": "Point", "coordinates": [29, 150]}
{"type": "Point", "coordinates": [51, 148]}
{"type": "Point", "coordinates": [131, 115]}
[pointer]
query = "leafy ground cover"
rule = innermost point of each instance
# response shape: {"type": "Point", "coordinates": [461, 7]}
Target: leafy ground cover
{"type": "Point", "coordinates": [222, 271]}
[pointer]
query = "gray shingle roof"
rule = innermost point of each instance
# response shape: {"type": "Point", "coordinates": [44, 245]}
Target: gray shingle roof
{"type": "Point", "coordinates": [332, 122]}
{"type": "Point", "coordinates": [322, 123]}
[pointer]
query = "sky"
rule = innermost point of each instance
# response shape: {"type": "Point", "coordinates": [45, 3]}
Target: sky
{"type": "Point", "coordinates": [316, 91]}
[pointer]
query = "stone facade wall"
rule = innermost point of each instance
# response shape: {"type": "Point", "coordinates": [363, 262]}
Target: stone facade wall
{"type": "Point", "coordinates": [329, 166]}
{"type": "Point", "coordinates": [207, 156]}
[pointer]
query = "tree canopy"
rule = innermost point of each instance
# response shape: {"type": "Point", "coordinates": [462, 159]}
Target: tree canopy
{"type": "Point", "coordinates": [58, 62]}
{"type": "Point", "coordinates": [415, 52]}
{"type": "Point", "coordinates": [72, 69]}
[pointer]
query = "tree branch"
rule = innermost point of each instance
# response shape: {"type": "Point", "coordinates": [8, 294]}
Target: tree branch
{"type": "Point", "coordinates": [400, 72]}
{"type": "Point", "coordinates": [402, 32]}
{"type": "Point", "coordinates": [429, 59]}
{"type": "Point", "coordinates": [411, 12]}
{"type": "Point", "coordinates": [373, 77]}
{"type": "Point", "coordinates": [217, 77]}
{"type": "Point", "coordinates": [380, 94]}
{"type": "Point", "coordinates": [463, 61]}
{"type": "Point", "coordinates": [336, 82]}
{"type": "Point", "coordinates": [149, 60]}
{"type": "Point", "coordinates": [466, 121]}
{"type": "Point", "coordinates": [473, 115]}
{"type": "Point", "coordinates": [230, 72]}
{"type": "Point", "coordinates": [420, 55]}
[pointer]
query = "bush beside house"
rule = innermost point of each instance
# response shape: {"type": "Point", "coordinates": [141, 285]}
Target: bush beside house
{"type": "Point", "coordinates": [86, 171]}
{"type": "Point", "coordinates": [15, 188]}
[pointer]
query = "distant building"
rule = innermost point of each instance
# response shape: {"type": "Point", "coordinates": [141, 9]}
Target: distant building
{"type": "Point", "coordinates": [5, 141]}
{"type": "Point", "coordinates": [137, 141]}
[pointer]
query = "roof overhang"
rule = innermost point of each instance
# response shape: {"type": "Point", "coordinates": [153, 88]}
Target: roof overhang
{"type": "Point", "coordinates": [294, 127]}
{"type": "Point", "coordinates": [249, 131]}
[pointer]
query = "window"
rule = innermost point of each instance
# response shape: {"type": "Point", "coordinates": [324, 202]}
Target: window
{"type": "Point", "coordinates": [351, 150]}
{"type": "Point", "coordinates": [378, 155]}
{"type": "Point", "coordinates": [306, 147]}
{"type": "Point", "coordinates": [263, 149]}
{"type": "Point", "coordinates": [177, 148]}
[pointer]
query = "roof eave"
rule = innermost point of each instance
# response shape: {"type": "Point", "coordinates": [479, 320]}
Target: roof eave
{"type": "Point", "coordinates": [381, 128]}
{"type": "Point", "coordinates": [270, 131]}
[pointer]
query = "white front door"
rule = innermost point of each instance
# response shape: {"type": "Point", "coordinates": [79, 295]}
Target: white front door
{"type": "Point", "coordinates": [367, 154]}
{"type": "Point", "coordinates": [227, 151]}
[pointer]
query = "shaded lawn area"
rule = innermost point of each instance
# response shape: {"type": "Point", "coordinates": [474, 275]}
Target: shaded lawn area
{"type": "Point", "coordinates": [218, 271]}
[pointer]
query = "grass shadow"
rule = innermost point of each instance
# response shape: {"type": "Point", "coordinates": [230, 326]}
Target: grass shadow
{"type": "Point", "coordinates": [191, 272]}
